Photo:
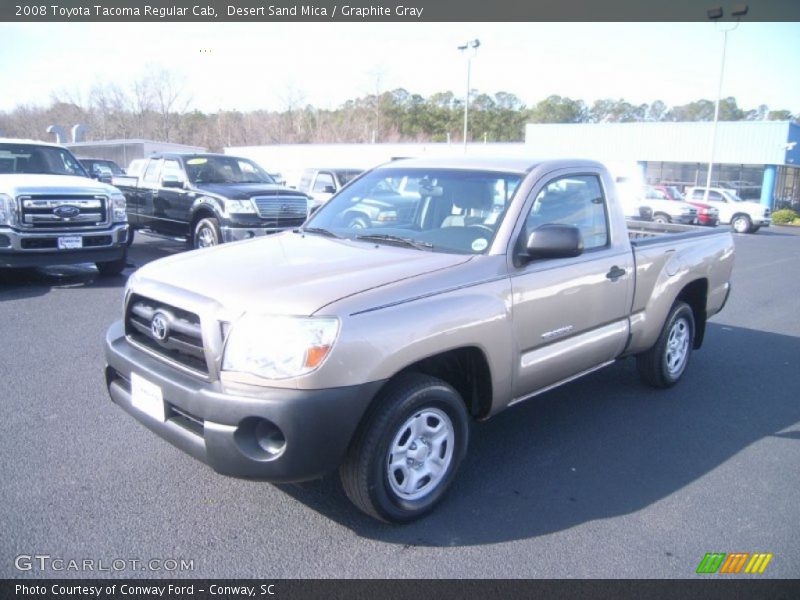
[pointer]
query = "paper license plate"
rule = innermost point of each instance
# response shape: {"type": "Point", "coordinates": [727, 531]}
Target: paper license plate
{"type": "Point", "coordinates": [70, 242]}
{"type": "Point", "coordinates": [147, 397]}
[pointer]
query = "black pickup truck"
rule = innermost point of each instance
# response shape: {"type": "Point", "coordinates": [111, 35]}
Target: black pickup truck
{"type": "Point", "coordinates": [209, 199]}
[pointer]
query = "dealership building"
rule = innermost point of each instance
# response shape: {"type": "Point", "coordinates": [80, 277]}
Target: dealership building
{"type": "Point", "coordinates": [760, 159]}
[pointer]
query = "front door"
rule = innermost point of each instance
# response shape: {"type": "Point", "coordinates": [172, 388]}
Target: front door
{"type": "Point", "coordinates": [570, 314]}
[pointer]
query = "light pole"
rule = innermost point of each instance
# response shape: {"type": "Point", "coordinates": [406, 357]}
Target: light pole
{"type": "Point", "coordinates": [470, 45]}
{"type": "Point", "coordinates": [715, 14]}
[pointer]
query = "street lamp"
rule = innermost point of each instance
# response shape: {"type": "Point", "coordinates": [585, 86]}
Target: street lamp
{"type": "Point", "coordinates": [715, 14]}
{"type": "Point", "coordinates": [470, 45]}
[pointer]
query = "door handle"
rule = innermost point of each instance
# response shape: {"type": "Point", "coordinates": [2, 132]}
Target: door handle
{"type": "Point", "coordinates": [615, 273]}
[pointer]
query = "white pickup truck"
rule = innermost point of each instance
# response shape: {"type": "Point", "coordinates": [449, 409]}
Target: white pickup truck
{"type": "Point", "coordinates": [52, 212]}
{"type": "Point", "coordinates": [370, 347]}
{"type": "Point", "coordinates": [744, 216]}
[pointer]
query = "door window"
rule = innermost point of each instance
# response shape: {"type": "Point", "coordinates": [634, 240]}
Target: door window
{"type": "Point", "coordinates": [575, 200]}
{"type": "Point", "coordinates": [324, 180]}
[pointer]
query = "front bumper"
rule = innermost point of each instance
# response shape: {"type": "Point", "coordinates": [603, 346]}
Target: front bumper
{"type": "Point", "coordinates": [235, 234]}
{"type": "Point", "coordinates": [219, 427]}
{"type": "Point", "coordinates": [36, 249]}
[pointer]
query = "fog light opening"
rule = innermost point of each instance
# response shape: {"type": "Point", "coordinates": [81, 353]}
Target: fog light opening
{"type": "Point", "coordinates": [269, 438]}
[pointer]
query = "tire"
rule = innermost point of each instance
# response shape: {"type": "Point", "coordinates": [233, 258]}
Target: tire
{"type": "Point", "coordinates": [418, 424]}
{"type": "Point", "coordinates": [663, 365]}
{"type": "Point", "coordinates": [114, 267]}
{"type": "Point", "coordinates": [755, 228]}
{"type": "Point", "coordinates": [129, 241]}
{"type": "Point", "coordinates": [206, 233]}
{"type": "Point", "coordinates": [741, 224]}
{"type": "Point", "coordinates": [661, 218]}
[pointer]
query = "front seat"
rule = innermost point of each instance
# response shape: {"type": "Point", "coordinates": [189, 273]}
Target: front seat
{"type": "Point", "coordinates": [475, 199]}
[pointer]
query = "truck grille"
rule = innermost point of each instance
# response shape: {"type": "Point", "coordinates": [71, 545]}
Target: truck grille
{"type": "Point", "coordinates": [282, 211]}
{"type": "Point", "coordinates": [42, 212]}
{"type": "Point", "coordinates": [175, 335]}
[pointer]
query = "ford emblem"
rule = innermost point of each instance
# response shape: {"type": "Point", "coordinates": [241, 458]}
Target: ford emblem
{"type": "Point", "coordinates": [66, 212]}
{"type": "Point", "coordinates": [159, 326]}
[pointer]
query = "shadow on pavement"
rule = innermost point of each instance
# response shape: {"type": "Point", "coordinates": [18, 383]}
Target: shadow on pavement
{"type": "Point", "coordinates": [599, 447]}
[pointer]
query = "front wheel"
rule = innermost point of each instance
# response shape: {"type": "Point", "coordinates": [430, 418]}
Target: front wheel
{"type": "Point", "coordinates": [663, 365]}
{"type": "Point", "coordinates": [741, 224]}
{"type": "Point", "coordinates": [114, 267]}
{"type": "Point", "coordinates": [206, 233]}
{"type": "Point", "coordinates": [661, 218]}
{"type": "Point", "coordinates": [407, 451]}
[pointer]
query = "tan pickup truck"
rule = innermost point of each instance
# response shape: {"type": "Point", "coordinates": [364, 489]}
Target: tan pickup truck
{"type": "Point", "coordinates": [425, 295]}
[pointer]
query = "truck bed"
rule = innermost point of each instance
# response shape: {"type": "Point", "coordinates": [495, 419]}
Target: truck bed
{"type": "Point", "coordinates": [643, 233]}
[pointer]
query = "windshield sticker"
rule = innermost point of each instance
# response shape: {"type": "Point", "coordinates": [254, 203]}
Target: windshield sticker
{"type": "Point", "coordinates": [480, 245]}
{"type": "Point", "coordinates": [197, 161]}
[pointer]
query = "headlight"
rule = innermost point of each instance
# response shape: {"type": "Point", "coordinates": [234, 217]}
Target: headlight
{"type": "Point", "coordinates": [6, 209]}
{"type": "Point", "coordinates": [239, 207]}
{"type": "Point", "coordinates": [118, 208]}
{"type": "Point", "coordinates": [278, 347]}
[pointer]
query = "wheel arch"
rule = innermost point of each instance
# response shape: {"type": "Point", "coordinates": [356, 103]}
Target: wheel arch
{"type": "Point", "coordinates": [465, 369]}
{"type": "Point", "coordinates": [695, 294]}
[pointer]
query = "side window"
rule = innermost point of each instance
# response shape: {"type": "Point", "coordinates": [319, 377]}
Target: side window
{"type": "Point", "coordinates": [151, 172]}
{"type": "Point", "coordinates": [575, 200]}
{"type": "Point", "coordinates": [172, 167]}
{"type": "Point", "coordinates": [716, 196]}
{"type": "Point", "coordinates": [305, 182]}
{"type": "Point", "coordinates": [697, 195]}
{"type": "Point", "coordinates": [323, 180]}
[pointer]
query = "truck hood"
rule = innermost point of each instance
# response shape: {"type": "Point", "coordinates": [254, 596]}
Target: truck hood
{"type": "Point", "coordinates": [752, 208]}
{"type": "Point", "coordinates": [288, 273]}
{"type": "Point", "coordinates": [17, 184]}
{"type": "Point", "coordinates": [242, 191]}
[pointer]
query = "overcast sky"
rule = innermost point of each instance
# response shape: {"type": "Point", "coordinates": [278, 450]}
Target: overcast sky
{"type": "Point", "coordinates": [265, 65]}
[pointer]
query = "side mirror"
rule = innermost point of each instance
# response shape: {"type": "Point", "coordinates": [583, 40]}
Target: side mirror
{"type": "Point", "coordinates": [552, 240]}
{"type": "Point", "coordinates": [329, 189]}
{"type": "Point", "coordinates": [171, 181]}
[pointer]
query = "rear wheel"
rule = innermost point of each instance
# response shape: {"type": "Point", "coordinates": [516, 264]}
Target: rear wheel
{"type": "Point", "coordinates": [407, 451]}
{"type": "Point", "coordinates": [741, 224]}
{"type": "Point", "coordinates": [661, 218]}
{"type": "Point", "coordinates": [663, 365]}
{"type": "Point", "coordinates": [206, 233]}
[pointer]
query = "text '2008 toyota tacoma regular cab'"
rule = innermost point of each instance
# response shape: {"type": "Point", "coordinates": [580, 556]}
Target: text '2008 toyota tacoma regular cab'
{"type": "Point", "coordinates": [370, 349]}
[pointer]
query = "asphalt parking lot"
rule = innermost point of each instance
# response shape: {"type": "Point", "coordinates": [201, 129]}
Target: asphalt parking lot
{"type": "Point", "coordinates": [603, 477]}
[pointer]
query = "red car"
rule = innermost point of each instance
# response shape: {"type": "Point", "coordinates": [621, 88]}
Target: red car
{"type": "Point", "coordinates": [706, 214]}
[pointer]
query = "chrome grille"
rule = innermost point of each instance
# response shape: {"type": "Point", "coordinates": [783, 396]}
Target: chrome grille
{"type": "Point", "coordinates": [282, 211]}
{"type": "Point", "coordinates": [44, 212]}
{"type": "Point", "coordinates": [182, 342]}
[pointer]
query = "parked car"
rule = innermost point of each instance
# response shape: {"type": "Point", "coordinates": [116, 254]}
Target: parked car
{"type": "Point", "coordinates": [321, 184]}
{"type": "Point", "coordinates": [371, 349]}
{"type": "Point", "coordinates": [208, 199]}
{"type": "Point", "coordinates": [52, 212]}
{"type": "Point", "coordinates": [666, 210]}
{"type": "Point", "coordinates": [744, 216]}
{"type": "Point", "coordinates": [706, 214]}
{"type": "Point", "coordinates": [101, 169]}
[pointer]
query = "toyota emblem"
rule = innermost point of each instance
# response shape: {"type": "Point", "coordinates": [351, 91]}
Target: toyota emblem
{"type": "Point", "coordinates": [159, 326]}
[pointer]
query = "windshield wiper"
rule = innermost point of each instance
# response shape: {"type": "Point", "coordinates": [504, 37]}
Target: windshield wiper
{"type": "Point", "coordinates": [396, 239]}
{"type": "Point", "coordinates": [319, 230]}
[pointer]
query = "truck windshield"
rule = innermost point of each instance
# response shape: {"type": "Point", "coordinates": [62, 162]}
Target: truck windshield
{"type": "Point", "coordinates": [449, 210]}
{"type": "Point", "coordinates": [224, 169]}
{"type": "Point", "coordinates": [346, 175]}
{"type": "Point", "coordinates": [32, 158]}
